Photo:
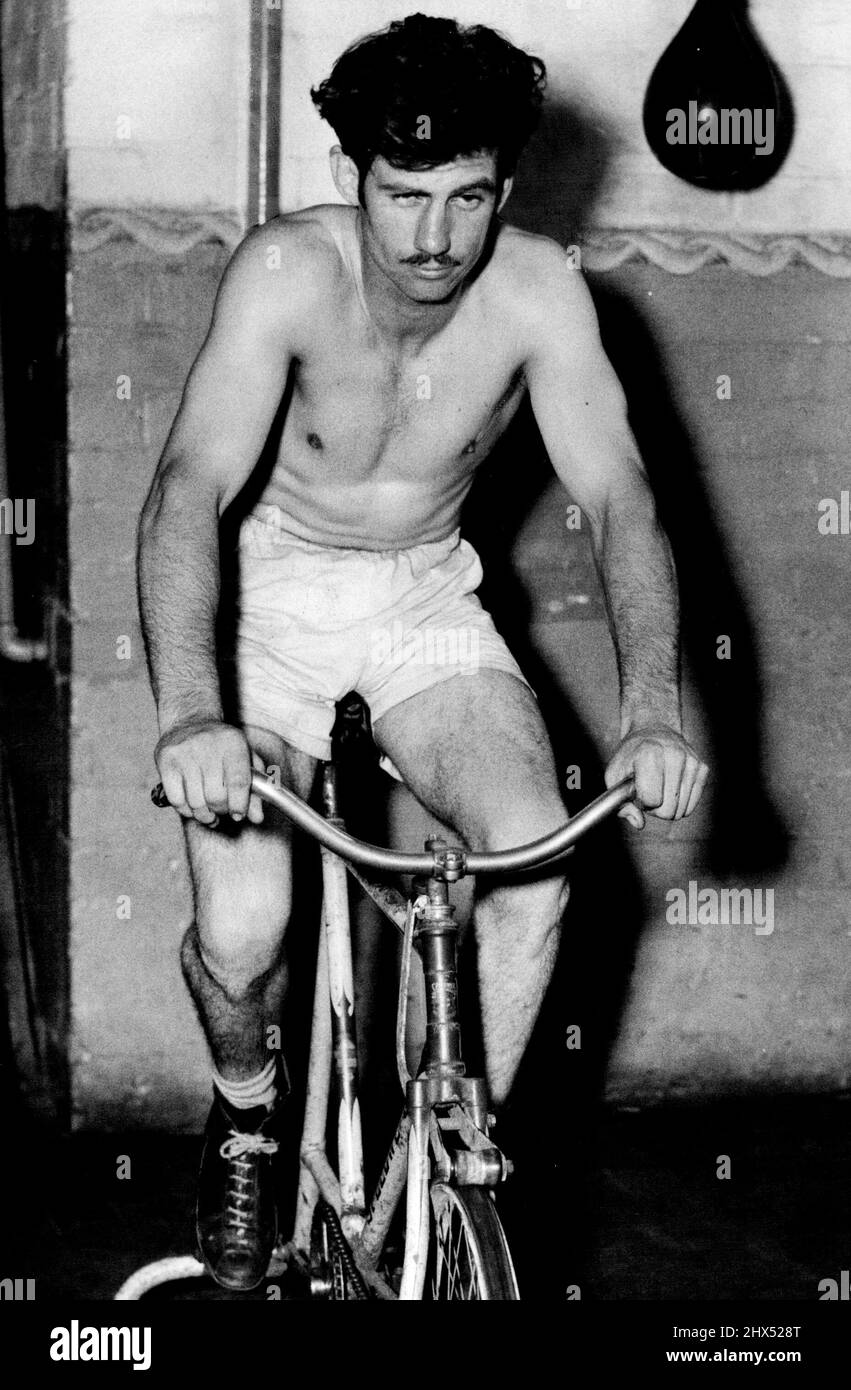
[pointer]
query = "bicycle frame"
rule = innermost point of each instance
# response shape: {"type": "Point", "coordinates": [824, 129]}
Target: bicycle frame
{"type": "Point", "coordinates": [334, 1048]}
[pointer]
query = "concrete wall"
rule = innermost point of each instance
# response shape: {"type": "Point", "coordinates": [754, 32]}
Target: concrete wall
{"type": "Point", "coordinates": [135, 1050]}
{"type": "Point", "coordinates": [157, 103]}
{"type": "Point", "coordinates": [707, 1007]}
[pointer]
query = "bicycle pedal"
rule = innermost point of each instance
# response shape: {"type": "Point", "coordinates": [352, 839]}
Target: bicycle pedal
{"type": "Point", "coordinates": [280, 1260]}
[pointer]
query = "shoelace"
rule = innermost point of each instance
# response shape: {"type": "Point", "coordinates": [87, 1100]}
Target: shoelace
{"type": "Point", "coordinates": [237, 1149]}
{"type": "Point", "coordinates": [238, 1144]}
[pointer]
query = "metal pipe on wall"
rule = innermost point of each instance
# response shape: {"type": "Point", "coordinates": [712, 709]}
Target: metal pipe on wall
{"type": "Point", "coordinates": [264, 133]}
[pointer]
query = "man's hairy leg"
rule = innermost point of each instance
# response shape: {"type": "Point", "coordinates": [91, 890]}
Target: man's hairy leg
{"type": "Point", "coordinates": [232, 954]}
{"type": "Point", "coordinates": [493, 778]}
{"type": "Point", "coordinates": [517, 932]}
{"type": "Point", "coordinates": [235, 1023]}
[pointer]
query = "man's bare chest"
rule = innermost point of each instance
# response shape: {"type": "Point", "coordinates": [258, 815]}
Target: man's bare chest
{"type": "Point", "coordinates": [443, 405]}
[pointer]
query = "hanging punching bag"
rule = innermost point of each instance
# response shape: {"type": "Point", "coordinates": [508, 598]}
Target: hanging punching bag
{"type": "Point", "coordinates": [717, 111]}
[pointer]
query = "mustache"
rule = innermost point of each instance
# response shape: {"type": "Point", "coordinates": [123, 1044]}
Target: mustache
{"type": "Point", "coordinates": [442, 261]}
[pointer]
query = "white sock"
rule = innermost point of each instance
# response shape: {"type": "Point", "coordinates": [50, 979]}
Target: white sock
{"type": "Point", "coordinates": [261, 1089]}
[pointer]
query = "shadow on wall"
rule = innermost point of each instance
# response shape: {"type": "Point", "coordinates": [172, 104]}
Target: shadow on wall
{"type": "Point", "coordinates": [561, 172]}
{"type": "Point", "coordinates": [564, 169]}
{"type": "Point", "coordinates": [747, 838]}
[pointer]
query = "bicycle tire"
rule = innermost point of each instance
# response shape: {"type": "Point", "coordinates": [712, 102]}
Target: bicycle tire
{"type": "Point", "coordinates": [469, 1260]}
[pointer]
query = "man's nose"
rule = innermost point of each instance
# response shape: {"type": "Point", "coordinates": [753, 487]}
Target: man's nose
{"type": "Point", "coordinates": [432, 237]}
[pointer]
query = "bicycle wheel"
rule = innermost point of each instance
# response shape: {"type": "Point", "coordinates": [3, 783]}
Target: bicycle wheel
{"type": "Point", "coordinates": [469, 1259]}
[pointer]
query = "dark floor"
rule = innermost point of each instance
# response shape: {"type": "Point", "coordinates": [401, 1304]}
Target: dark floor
{"type": "Point", "coordinates": [649, 1219]}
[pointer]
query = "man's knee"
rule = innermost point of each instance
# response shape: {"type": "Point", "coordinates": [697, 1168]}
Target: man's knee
{"type": "Point", "coordinates": [507, 826]}
{"type": "Point", "coordinates": [549, 893]}
{"type": "Point", "coordinates": [518, 926]}
{"type": "Point", "coordinates": [237, 961]}
{"type": "Point", "coordinates": [547, 889]}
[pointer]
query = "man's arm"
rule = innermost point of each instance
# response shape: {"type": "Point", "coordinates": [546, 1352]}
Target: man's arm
{"type": "Point", "coordinates": [580, 408]}
{"type": "Point", "coordinates": [229, 402]}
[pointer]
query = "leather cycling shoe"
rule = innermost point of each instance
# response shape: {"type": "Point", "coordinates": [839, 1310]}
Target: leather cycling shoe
{"type": "Point", "coordinates": [236, 1217]}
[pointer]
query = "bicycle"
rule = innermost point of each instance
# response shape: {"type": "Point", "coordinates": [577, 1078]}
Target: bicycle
{"type": "Point", "coordinates": [442, 1154]}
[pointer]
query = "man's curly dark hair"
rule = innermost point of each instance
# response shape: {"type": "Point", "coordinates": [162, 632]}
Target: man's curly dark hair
{"type": "Point", "coordinates": [477, 90]}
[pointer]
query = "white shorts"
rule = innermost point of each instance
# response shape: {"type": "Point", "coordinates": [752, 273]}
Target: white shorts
{"type": "Point", "coordinates": [317, 621]}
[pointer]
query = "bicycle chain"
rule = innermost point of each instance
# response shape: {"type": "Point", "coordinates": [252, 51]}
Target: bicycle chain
{"type": "Point", "coordinates": [341, 1246]}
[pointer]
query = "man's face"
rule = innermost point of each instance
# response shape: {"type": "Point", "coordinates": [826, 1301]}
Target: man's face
{"type": "Point", "coordinates": [426, 229]}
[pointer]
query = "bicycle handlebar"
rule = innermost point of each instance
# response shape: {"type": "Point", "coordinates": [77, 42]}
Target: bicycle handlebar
{"type": "Point", "coordinates": [452, 861]}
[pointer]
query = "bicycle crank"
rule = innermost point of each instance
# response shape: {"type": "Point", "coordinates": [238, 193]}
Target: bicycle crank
{"type": "Point", "coordinates": [333, 1272]}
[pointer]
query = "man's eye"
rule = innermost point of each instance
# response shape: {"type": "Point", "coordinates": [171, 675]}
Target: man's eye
{"type": "Point", "coordinates": [470, 199]}
{"type": "Point", "coordinates": [406, 197]}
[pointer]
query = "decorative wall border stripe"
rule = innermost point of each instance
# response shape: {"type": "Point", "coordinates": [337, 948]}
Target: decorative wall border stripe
{"type": "Point", "coordinates": [164, 231]}
{"type": "Point", "coordinates": [174, 231]}
{"type": "Point", "coordinates": [682, 253]}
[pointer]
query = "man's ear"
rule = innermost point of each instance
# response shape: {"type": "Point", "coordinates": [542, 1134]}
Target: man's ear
{"type": "Point", "coordinates": [344, 172]}
{"type": "Point", "coordinates": [507, 186]}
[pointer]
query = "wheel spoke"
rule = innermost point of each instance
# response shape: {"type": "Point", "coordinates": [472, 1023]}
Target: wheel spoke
{"type": "Point", "coordinates": [468, 1257]}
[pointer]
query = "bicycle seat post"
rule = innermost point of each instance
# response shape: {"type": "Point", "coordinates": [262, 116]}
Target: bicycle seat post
{"type": "Point", "coordinates": [329, 791]}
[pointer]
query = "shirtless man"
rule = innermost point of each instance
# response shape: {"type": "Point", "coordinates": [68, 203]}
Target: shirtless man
{"type": "Point", "coordinates": [408, 323]}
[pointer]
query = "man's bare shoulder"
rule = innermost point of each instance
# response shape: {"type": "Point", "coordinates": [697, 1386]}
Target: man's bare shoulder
{"type": "Point", "coordinates": [538, 280]}
{"type": "Point", "coordinates": [309, 233]}
{"type": "Point", "coordinates": [291, 258]}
